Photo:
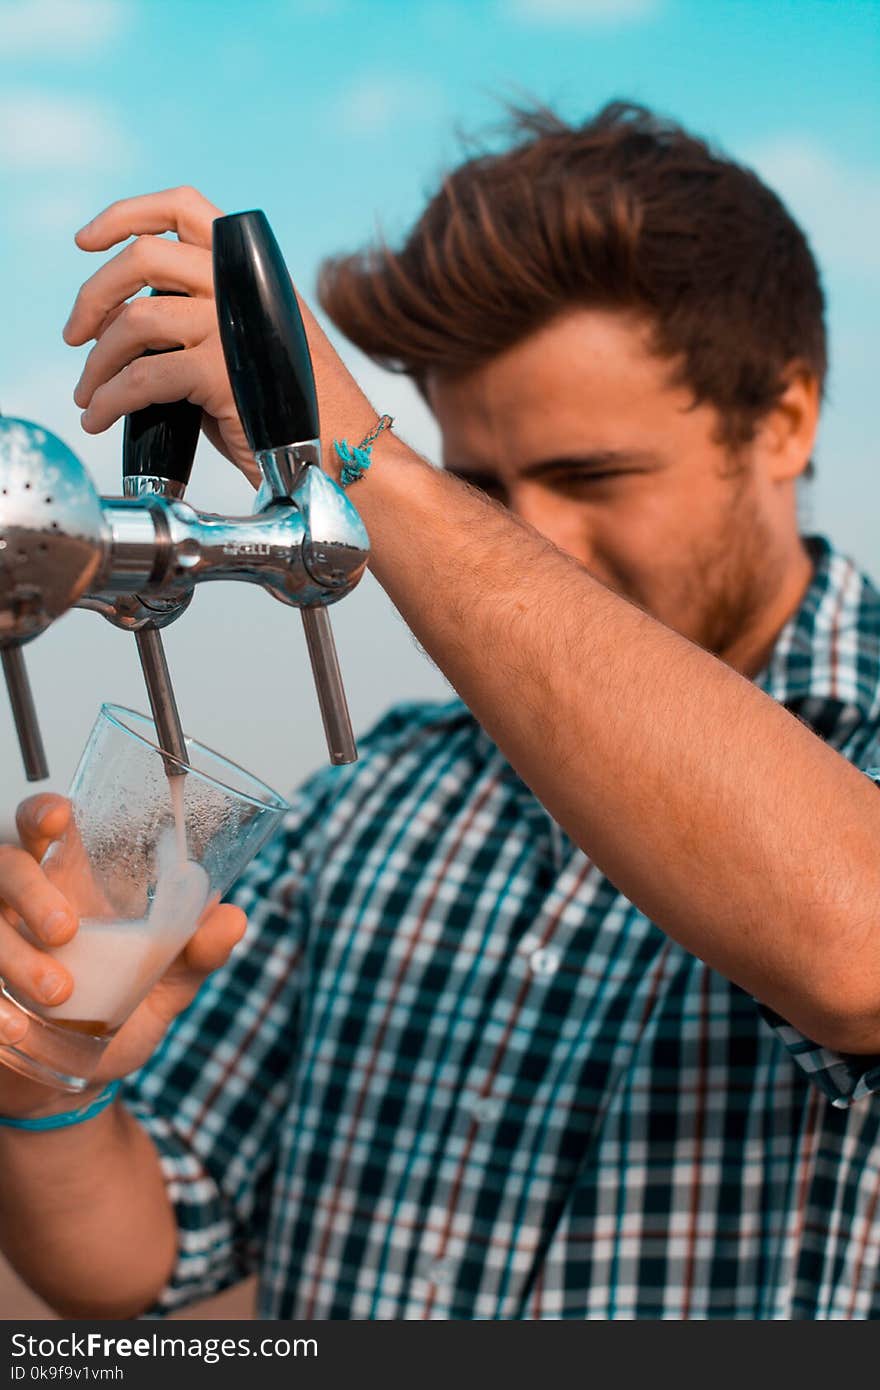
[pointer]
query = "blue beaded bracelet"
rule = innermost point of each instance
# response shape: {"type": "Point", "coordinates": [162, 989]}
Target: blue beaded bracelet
{"type": "Point", "coordinates": [67, 1117]}
{"type": "Point", "coordinates": [356, 459]}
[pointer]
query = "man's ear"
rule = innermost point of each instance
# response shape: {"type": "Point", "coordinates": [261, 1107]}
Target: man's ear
{"type": "Point", "coordinates": [787, 433]}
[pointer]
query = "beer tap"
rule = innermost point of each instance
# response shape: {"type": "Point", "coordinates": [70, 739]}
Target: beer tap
{"type": "Point", "coordinates": [270, 371]}
{"type": "Point", "coordinates": [137, 559]}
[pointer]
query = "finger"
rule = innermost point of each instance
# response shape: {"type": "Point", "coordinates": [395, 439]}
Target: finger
{"type": "Point", "coordinates": [172, 376]}
{"type": "Point", "coordinates": [48, 831]}
{"type": "Point", "coordinates": [209, 948]}
{"type": "Point", "coordinates": [150, 260]}
{"type": "Point", "coordinates": [42, 906]}
{"type": "Point", "coordinates": [40, 820]}
{"type": "Point", "coordinates": [111, 318]}
{"type": "Point", "coordinates": [155, 323]}
{"type": "Point", "coordinates": [13, 1023]}
{"type": "Point", "coordinates": [30, 971]}
{"type": "Point", "coordinates": [182, 210]}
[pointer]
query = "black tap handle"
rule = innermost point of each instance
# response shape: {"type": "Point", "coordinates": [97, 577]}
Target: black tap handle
{"type": "Point", "coordinates": [261, 329]}
{"type": "Point", "coordinates": [160, 440]}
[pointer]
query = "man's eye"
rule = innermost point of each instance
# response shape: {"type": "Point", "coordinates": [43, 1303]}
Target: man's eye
{"type": "Point", "coordinates": [563, 481]}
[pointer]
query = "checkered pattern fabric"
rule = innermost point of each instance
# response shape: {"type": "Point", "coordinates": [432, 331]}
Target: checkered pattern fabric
{"type": "Point", "coordinates": [452, 1073]}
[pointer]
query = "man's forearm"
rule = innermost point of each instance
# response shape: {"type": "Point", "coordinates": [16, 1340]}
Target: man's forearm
{"type": "Point", "coordinates": [84, 1215]}
{"type": "Point", "coordinates": [714, 810]}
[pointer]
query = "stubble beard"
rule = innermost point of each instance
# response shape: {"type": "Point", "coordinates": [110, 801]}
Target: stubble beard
{"type": "Point", "coordinates": [736, 572]}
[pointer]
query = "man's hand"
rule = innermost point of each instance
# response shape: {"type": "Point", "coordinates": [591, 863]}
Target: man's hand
{"type": "Point", "coordinates": [118, 379]}
{"type": "Point", "coordinates": [28, 895]}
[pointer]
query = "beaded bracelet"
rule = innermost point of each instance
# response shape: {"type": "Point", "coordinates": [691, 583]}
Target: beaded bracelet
{"type": "Point", "coordinates": [66, 1117]}
{"type": "Point", "coordinates": [356, 459]}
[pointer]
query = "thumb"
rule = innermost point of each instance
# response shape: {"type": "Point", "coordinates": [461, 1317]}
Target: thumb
{"type": "Point", "coordinates": [41, 819]}
{"type": "Point", "coordinates": [205, 952]}
{"type": "Point", "coordinates": [211, 945]}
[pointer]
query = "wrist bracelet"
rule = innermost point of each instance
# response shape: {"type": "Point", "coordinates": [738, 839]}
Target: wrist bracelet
{"type": "Point", "coordinates": [66, 1117]}
{"type": "Point", "coordinates": [356, 458]}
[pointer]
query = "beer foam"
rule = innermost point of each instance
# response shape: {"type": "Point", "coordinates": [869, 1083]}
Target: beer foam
{"type": "Point", "coordinates": [115, 963]}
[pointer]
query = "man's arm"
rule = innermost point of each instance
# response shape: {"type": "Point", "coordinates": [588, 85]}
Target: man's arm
{"type": "Point", "coordinates": [68, 1223]}
{"type": "Point", "coordinates": [715, 811]}
{"type": "Point", "coordinates": [719, 814]}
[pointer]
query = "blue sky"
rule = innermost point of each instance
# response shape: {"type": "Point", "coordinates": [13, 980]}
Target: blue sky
{"type": "Point", "coordinates": [338, 115]}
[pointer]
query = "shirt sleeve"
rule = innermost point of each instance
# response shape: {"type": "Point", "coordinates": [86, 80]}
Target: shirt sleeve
{"type": "Point", "coordinates": [213, 1096]}
{"type": "Point", "coordinates": [843, 1077]}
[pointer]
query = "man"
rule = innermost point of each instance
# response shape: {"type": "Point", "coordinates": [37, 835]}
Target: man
{"type": "Point", "coordinates": [563, 1001]}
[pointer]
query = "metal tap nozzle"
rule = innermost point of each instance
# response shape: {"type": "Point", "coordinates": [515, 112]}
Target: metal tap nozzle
{"type": "Point", "coordinates": [295, 473]}
{"type": "Point", "coordinates": [24, 713]}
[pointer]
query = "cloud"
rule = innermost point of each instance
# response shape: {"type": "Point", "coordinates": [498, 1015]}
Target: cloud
{"type": "Point", "coordinates": [59, 28]}
{"type": "Point", "coordinates": [583, 12]}
{"type": "Point", "coordinates": [836, 203]}
{"type": "Point", "coordinates": [41, 132]}
{"type": "Point", "coordinates": [372, 105]}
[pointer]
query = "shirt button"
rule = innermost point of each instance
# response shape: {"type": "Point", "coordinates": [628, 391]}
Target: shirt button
{"type": "Point", "coordinates": [544, 961]}
{"type": "Point", "coordinates": [486, 1109]}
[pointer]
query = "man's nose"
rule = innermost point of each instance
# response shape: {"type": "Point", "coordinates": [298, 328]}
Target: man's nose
{"type": "Point", "coordinates": [556, 518]}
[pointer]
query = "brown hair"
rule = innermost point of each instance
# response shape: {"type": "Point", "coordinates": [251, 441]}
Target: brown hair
{"type": "Point", "coordinates": [626, 211]}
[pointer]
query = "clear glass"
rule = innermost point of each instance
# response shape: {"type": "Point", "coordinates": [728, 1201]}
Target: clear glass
{"type": "Point", "coordinates": [141, 876]}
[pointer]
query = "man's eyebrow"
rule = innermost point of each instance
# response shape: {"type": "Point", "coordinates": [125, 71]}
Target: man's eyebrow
{"type": "Point", "coordinates": [596, 461]}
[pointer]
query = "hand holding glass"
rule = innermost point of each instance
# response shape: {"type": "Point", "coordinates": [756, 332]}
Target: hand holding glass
{"type": "Point", "coordinates": [150, 847]}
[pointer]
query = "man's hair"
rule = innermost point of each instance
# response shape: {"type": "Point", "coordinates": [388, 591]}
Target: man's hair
{"type": "Point", "coordinates": [624, 212]}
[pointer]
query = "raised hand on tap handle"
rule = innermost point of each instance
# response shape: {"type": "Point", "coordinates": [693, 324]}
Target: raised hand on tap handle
{"type": "Point", "coordinates": [118, 379]}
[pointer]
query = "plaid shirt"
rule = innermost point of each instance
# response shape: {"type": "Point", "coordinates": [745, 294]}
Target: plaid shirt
{"type": "Point", "coordinates": [452, 1073]}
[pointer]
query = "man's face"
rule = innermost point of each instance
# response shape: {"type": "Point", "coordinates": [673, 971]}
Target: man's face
{"type": "Point", "coordinates": [580, 430]}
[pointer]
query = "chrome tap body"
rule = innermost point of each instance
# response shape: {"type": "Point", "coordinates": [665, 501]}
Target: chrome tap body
{"type": "Point", "coordinates": [310, 550]}
{"type": "Point", "coordinates": [137, 560]}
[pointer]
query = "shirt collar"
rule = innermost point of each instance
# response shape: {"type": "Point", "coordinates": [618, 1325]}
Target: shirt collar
{"type": "Point", "coordinates": [826, 660]}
